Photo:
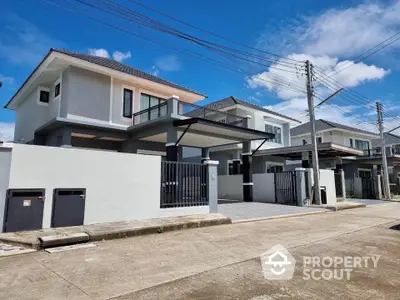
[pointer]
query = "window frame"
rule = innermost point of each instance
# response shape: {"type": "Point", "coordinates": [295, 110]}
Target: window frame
{"type": "Point", "coordinates": [274, 126]}
{"type": "Point", "coordinates": [273, 164]}
{"type": "Point", "coordinates": [352, 143]}
{"type": "Point", "coordinates": [363, 170]}
{"type": "Point", "coordinates": [123, 101]}
{"type": "Point", "coordinates": [43, 89]}
{"type": "Point", "coordinates": [148, 94]}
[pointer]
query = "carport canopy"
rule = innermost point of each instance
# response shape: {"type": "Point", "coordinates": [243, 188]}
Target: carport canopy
{"type": "Point", "coordinates": [202, 133]}
{"type": "Point", "coordinates": [325, 150]}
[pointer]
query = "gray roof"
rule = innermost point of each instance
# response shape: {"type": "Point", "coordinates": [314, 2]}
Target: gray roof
{"type": "Point", "coordinates": [230, 101]}
{"type": "Point", "coordinates": [391, 138]}
{"type": "Point", "coordinates": [115, 65]}
{"type": "Point", "coordinates": [111, 64]}
{"type": "Point", "coordinates": [324, 125]}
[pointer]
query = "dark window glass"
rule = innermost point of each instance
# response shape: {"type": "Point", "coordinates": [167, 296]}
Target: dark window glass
{"type": "Point", "coordinates": [319, 140]}
{"type": "Point", "coordinates": [44, 97]}
{"type": "Point", "coordinates": [57, 90]}
{"type": "Point", "coordinates": [128, 96]}
{"type": "Point", "coordinates": [151, 103]}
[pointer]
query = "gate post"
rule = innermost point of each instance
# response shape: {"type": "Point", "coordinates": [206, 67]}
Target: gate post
{"type": "Point", "coordinates": [301, 187]}
{"type": "Point", "coordinates": [247, 172]}
{"type": "Point", "coordinates": [212, 185]}
{"type": "Point", "coordinates": [378, 187]}
{"type": "Point", "coordinates": [343, 182]}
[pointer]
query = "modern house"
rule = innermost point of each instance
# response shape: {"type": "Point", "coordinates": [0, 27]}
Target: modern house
{"type": "Point", "coordinates": [79, 100]}
{"type": "Point", "coordinates": [261, 119]}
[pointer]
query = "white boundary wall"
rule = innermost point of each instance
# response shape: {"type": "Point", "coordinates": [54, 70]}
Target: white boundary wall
{"type": "Point", "coordinates": [230, 187]}
{"type": "Point", "coordinates": [119, 186]}
{"type": "Point", "coordinates": [327, 179]}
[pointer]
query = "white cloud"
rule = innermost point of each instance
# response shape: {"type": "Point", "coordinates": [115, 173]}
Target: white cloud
{"type": "Point", "coordinates": [21, 42]}
{"type": "Point", "coordinates": [120, 56]}
{"type": "Point", "coordinates": [117, 55]}
{"type": "Point", "coordinates": [6, 131]}
{"type": "Point", "coordinates": [155, 71]}
{"type": "Point", "coordinates": [7, 79]}
{"type": "Point", "coordinates": [169, 63]}
{"type": "Point", "coordinates": [99, 52]}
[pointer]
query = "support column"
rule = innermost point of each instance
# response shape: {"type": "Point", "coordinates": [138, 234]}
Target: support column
{"type": "Point", "coordinates": [305, 156]}
{"type": "Point", "coordinates": [171, 148]}
{"type": "Point", "coordinates": [301, 186]}
{"type": "Point", "coordinates": [66, 137]}
{"type": "Point", "coordinates": [339, 170]}
{"type": "Point", "coordinates": [247, 173]}
{"type": "Point", "coordinates": [205, 155]}
{"type": "Point", "coordinates": [212, 185]}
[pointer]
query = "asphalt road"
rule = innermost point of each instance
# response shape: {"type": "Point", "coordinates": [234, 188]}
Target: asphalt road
{"type": "Point", "coordinates": [221, 262]}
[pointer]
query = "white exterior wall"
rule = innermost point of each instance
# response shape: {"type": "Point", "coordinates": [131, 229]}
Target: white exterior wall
{"type": "Point", "coordinates": [264, 187]}
{"type": "Point", "coordinates": [5, 164]}
{"type": "Point", "coordinates": [332, 136]}
{"type": "Point", "coordinates": [119, 186]}
{"type": "Point", "coordinates": [30, 115]}
{"type": "Point", "coordinates": [230, 187]}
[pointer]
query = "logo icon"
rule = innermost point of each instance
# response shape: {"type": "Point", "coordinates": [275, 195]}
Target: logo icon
{"type": "Point", "coordinates": [277, 263]}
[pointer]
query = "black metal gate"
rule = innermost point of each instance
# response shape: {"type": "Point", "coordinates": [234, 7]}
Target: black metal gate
{"type": "Point", "coordinates": [23, 210]}
{"type": "Point", "coordinates": [338, 185]}
{"type": "Point", "coordinates": [68, 207]}
{"type": "Point", "coordinates": [285, 188]}
{"type": "Point", "coordinates": [368, 188]}
{"type": "Point", "coordinates": [183, 184]}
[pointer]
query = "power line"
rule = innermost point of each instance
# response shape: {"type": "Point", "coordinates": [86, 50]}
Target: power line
{"type": "Point", "coordinates": [185, 51]}
{"type": "Point", "coordinates": [362, 56]}
{"type": "Point", "coordinates": [210, 32]}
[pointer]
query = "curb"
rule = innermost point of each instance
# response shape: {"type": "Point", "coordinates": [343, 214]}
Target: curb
{"type": "Point", "coordinates": [93, 235]}
{"type": "Point", "coordinates": [280, 217]}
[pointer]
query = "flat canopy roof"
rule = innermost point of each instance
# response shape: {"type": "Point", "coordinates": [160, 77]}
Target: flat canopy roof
{"type": "Point", "coordinates": [202, 133]}
{"type": "Point", "coordinates": [324, 150]}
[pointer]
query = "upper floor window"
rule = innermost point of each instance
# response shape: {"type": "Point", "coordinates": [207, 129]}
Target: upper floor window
{"type": "Point", "coordinates": [151, 103]}
{"type": "Point", "coordinates": [127, 105]}
{"type": "Point", "coordinates": [57, 90]}
{"type": "Point", "coordinates": [359, 144]}
{"type": "Point", "coordinates": [319, 140]}
{"type": "Point", "coordinates": [44, 96]}
{"type": "Point", "coordinates": [275, 130]}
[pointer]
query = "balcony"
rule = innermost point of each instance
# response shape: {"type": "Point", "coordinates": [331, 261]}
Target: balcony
{"type": "Point", "coordinates": [177, 109]}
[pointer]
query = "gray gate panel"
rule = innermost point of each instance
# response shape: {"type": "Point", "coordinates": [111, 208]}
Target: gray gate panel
{"type": "Point", "coordinates": [68, 207]}
{"type": "Point", "coordinates": [23, 210]}
{"type": "Point", "coordinates": [285, 187]}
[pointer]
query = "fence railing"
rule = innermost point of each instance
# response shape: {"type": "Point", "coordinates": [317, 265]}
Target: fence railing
{"type": "Point", "coordinates": [151, 113]}
{"type": "Point", "coordinates": [183, 184]}
{"type": "Point", "coordinates": [194, 111]}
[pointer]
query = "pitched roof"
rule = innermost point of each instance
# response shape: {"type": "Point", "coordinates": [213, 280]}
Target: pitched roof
{"type": "Point", "coordinates": [230, 101]}
{"type": "Point", "coordinates": [391, 138]}
{"type": "Point", "coordinates": [324, 125]}
{"type": "Point", "coordinates": [111, 64]}
{"type": "Point", "coordinates": [115, 65]}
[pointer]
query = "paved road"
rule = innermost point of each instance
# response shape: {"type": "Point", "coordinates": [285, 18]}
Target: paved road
{"type": "Point", "coordinates": [250, 210]}
{"type": "Point", "coordinates": [220, 262]}
{"type": "Point", "coordinates": [367, 201]}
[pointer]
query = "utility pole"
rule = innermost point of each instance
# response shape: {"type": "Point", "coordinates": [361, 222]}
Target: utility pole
{"type": "Point", "coordinates": [386, 186]}
{"type": "Point", "coordinates": [310, 97]}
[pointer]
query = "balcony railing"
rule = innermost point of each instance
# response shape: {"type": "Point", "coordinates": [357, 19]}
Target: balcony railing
{"type": "Point", "coordinates": [195, 111]}
{"type": "Point", "coordinates": [151, 113]}
{"type": "Point", "coordinates": [176, 107]}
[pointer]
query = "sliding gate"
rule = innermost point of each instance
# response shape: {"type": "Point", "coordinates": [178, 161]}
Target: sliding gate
{"type": "Point", "coordinates": [183, 184]}
{"type": "Point", "coordinates": [285, 188]}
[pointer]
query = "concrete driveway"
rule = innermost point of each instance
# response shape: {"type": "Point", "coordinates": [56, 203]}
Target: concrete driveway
{"type": "Point", "coordinates": [368, 201]}
{"type": "Point", "coordinates": [220, 262]}
{"type": "Point", "coordinates": [253, 210]}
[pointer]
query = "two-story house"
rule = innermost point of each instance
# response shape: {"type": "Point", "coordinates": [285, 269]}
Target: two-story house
{"type": "Point", "coordinates": [339, 134]}
{"type": "Point", "coordinates": [79, 100]}
{"type": "Point", "coordinates": [261, 119]}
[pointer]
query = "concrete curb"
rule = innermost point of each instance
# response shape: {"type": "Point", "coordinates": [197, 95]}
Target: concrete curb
{"type": "Point", "coordinates": [63, 236]}
{"type": "Point", "coordinates": [280, 217]}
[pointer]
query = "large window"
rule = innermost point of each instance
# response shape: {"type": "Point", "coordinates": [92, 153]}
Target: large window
{"type": "Point", "coordinates": [127, 105]}
{"type": "Point", "coordinates": [275, 130]}
{"type": "Point", "coordinates": [359, 144]}
{"type": "Point", "coordinates": [148, 101]}
{"type": "Point", "coordinates": [274, 168]}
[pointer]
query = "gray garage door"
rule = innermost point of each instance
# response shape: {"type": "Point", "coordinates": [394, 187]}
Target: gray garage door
{"type": "Point", "coordinates": [24, 210]}
{"type": "Point", "coordinates": [68, 207]}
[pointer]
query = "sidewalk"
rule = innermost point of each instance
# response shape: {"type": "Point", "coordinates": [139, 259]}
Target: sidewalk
{"type": "Point", "coordinates": [106, 231]}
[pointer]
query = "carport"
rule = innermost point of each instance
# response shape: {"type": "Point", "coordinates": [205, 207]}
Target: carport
{"type": "Point", "coordinates": [205, 134]}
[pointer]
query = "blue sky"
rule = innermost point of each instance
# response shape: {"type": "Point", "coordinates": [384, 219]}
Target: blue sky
{"type": "Point", "coordinates": [326, 32]}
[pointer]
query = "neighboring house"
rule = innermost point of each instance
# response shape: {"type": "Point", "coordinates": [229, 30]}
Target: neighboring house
{"type": "Point", "coordinates": [362, 166]}
{"type": "Point", "coordinates": [261, 119]}
{"type": "Point", "coordinates": [392, 142]}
